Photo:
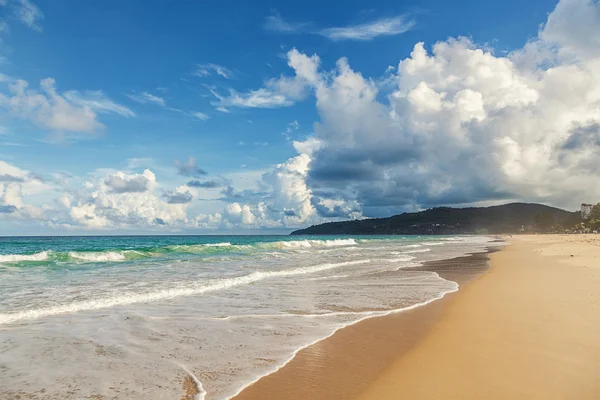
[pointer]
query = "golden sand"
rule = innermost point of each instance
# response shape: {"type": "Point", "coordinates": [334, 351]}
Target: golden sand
{"type": "Point", "coordinates": [527, 329]}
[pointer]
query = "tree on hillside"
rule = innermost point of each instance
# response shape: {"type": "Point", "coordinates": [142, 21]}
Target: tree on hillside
{"type": "Point", "coordinates": [595, 214]}
{"type": "Point", "coordinates": [543, 221]}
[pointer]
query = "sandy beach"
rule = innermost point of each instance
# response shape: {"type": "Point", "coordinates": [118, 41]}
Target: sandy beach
{"type": "Point", "coordinates": [527, 328]}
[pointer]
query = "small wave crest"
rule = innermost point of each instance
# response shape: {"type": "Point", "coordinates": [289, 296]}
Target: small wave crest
{"type": "Point", "coordinates": [308, 243]}
{"type": "Point", "coordinates": [12, 258]}
{"type": "Point", "coordinates": [109, 256]}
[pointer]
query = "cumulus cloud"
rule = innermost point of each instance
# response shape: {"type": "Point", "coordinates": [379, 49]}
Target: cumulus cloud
{"type": "Point", "coordinates": [278, 92]}
{"type": "Point", "coordinates": [463, 125]}
{"type": "Point", "coordinates": [135, 183]}
{"type": "Point", "coordinates": [568, 27]}
{"type": "Point", "coordinates": [178, 197]}
{"type": "Point", "coordinates": [453, 124]}
{"type": "Point", "coordinates": [126, 200]}
{"type": "Point", "coordinates": [71, 111]}
{"type": "Point", "coordinates": [15, 186]}
{"type": "Point", "coordinates": [456, 125]}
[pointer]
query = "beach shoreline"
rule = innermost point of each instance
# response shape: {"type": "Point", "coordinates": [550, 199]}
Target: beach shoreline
{"type": "Point", "coordinates": [506, 323]}
{"type": "Point", "coordinates": [326, 355]}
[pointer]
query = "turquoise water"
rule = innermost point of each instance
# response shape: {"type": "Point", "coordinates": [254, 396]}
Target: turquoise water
{"type": "Point", "coordinates": [129, 314]}
{"type": "Point", "coordinates": [50, 251]}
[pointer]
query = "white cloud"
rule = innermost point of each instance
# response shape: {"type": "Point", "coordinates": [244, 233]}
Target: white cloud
{"type": "Point", "coordinates": [370, 30]}
{"type": "Point", "coordinates": [203, 70]}
{"type": "Point", "coordinates": [276, 23]}
{"type": "Point", "coordinates": [29, 14]}
{"type": "Point", "coordinates": [364, 31]}
{"type": "Point", "coordinates": [136, 183]}
{"type": "Point", "coordinates": [260, 98]}
{"type": "Point", "coordinates": [200, 115]}
{"type": "Point", "coordinates": [568, 27]}
{"type": "Point", "coordinates": [308, 146]}
{"type": "Point", "coordinates": [181, 196]}
{"type": "Point", "coordinates": [15, 184]}
{"type": "Point", "coordinates": [453, 125]}
{"type": "Point", "coordinates": [72, 111]}
{"type": "Point", "coordinates": [126, 200]}
{"type": "Point", "coordinates": [145, 98]}
{"type": "Point", "coordinates": [278, 92]}
{"type": "Point", "coordinates": [463, 126]}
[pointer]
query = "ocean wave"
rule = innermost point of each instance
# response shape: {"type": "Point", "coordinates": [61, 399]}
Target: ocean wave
{"type": "Point", "coordinates": [11, 258]}
{"type": "Point", "coordinates": [184, 290]}
{"type": "Point", "coordinates": [118, 255]}
{"type": "Point", "coordinates": [308, 243]}
{"type": "Point", "coordinates": [109, 256]}
{"type": "Point", "coordinates": [76, 257]}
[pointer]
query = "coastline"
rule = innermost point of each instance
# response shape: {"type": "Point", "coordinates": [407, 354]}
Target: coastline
{"type": "Point", "coordinates": [309, 372]}
{"type": "Point", "coordinates": [502, 335]}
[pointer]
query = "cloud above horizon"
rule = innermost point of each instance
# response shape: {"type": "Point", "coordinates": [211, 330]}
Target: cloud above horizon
{"type": "Point", "coordinates": [71, 111]}
{"type": "Point", "coordinates": [363, 31]}
{"type": "Point", "coordinates": [449, 124]}
{"type": "Point", "coordinates": [370, 30]}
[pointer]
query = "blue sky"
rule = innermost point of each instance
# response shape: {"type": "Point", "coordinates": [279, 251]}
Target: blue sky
{"type": "Point", "coordinates": [151, 84]}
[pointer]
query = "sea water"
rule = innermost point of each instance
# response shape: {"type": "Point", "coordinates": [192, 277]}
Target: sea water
{"type": "Point", "coordinates": [129, 317]}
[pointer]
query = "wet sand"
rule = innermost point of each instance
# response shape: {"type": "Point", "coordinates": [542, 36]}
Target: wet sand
{"type": "Point", "coordinates": [529, 328]}
{"type": "Point", "coordinates": [346, 363]}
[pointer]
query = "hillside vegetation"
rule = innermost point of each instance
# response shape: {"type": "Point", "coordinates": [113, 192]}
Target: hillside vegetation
{"type": "Point", "coordinates": [507, 218]}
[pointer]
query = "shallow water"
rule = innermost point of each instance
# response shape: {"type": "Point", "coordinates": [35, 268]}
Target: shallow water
{"type": "Point", "coordinates": [127, 316]}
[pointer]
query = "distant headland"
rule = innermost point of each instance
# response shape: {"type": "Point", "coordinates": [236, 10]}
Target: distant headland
{"type": "Point", "coordinates": [507, 218]}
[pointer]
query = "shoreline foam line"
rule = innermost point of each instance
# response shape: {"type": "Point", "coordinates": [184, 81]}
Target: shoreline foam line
{"type": "Point", "coordinates": [201, 393]}
{"type": "Point", "coordinates": [97, 304]}
{"type": "Point", "coordinates": [374, 314]}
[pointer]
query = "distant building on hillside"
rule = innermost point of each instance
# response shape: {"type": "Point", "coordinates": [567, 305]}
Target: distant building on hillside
{"type": "Point", "coordinates": [586, 210]}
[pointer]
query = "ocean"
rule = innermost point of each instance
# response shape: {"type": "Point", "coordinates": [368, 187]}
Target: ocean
{"type": "Point", "coordinates": [130, 316]}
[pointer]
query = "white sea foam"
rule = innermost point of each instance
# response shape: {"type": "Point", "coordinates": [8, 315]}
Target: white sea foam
{"type": "Point", "coordinates": [365, 315]}
{"type": "Point", "coordinates": [183, 290]}
{"type": "Point", "coordinates": [308, 243]}
{"type": "Point", "coordinates": [109, 256]}
{"type": "Point", "coordinates": [41, 256]}
{"type": "Point", "coordinates": [425, 250]}
{"type": "Point", "coordinates": [399, 259]}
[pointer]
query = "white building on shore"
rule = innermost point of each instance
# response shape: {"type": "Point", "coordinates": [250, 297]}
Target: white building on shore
{"type": "Point", "coordinates": [586, 210]}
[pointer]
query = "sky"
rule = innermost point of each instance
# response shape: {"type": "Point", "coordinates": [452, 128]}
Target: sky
{"type": "Point", "coordinates": [181, 116]}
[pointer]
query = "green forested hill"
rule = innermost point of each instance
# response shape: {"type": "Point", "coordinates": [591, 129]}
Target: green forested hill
{"type": "Point", "coordinates": [507, 218]}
